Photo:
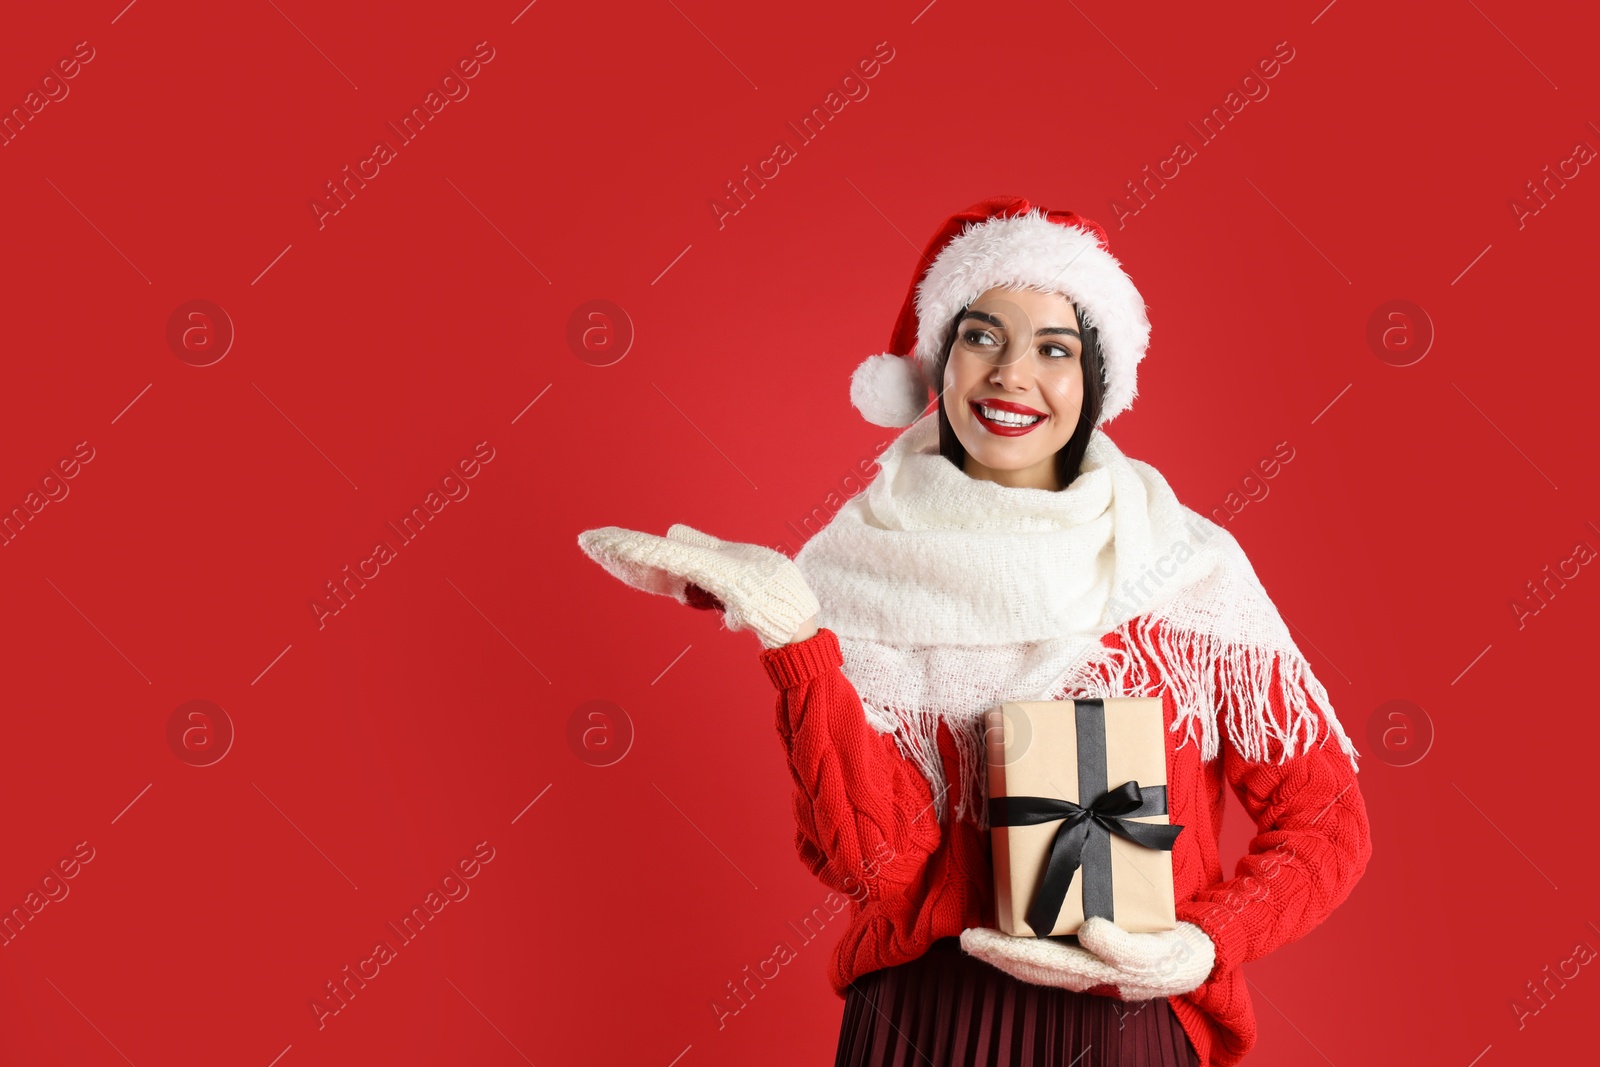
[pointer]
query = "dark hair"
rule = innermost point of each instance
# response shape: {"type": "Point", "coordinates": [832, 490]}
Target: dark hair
{"type": "Point", "coordinates": [1069, 458]}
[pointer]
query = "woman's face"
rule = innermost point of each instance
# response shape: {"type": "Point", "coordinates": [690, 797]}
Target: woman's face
{"type": "Point", "coordinates": [1013, 385]}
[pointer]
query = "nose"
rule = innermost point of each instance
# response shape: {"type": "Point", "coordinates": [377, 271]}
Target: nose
{"type": "Point", "coordinates": [1013, 370]}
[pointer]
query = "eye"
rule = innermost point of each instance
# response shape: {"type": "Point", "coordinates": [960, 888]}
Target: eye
{"type": "Point", "coordinates": [1060, 351]}
{"type": "Point", "coordinates": [979, 338]}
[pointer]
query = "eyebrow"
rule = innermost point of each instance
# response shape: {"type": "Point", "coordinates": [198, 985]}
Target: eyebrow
{"type": "Point", "coordinates": [984, 316]}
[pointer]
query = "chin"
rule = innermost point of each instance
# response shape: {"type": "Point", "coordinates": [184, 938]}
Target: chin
{"type": "Point", "coordinates": [1008, 460]}
{"type": "Point", "coordinates": [1007, 453]}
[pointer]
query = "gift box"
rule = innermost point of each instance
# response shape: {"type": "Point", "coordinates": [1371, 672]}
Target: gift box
{"type": "Point", "coordinates": [1078, 815]}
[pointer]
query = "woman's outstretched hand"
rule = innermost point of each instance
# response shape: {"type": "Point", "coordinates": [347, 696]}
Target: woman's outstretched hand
{"type": "Point", "coordinates": [1139, 965]}
{"type": "Point", "coordinates": [755, 587]}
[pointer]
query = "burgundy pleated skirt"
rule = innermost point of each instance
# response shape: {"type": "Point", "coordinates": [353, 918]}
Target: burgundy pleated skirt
{"type": "Point", "coordinates": [947, 1008]}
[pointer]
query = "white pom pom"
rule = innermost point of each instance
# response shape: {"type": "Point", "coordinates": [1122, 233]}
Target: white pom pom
{"type": "Point", "coordinates": [888, 390]}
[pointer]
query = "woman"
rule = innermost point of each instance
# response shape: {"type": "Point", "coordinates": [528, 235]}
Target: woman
{"type": "Point", "coordinates": [1007, 550]}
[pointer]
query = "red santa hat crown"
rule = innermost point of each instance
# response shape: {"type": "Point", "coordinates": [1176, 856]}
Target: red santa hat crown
{"type": "Point", "coordinates": [1004, 242]}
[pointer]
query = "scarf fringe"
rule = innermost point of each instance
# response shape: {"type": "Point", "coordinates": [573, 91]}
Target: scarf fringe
{"type": "Point", "coordinates": [1209, 678]}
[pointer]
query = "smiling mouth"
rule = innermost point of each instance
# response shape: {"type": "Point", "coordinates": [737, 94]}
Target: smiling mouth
{"type": "Point", "coordinates": [1004, 423]}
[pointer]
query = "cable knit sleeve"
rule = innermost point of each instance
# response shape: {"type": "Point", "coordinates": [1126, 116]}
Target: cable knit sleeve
{"type": "Point", "coordinates": [863, 813]}
{"type": "Point", "coordinates": [1311, 845]}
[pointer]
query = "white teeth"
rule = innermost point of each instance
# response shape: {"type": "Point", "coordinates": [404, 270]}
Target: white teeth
{"type": "Point", "coordinates": [1009, 418]}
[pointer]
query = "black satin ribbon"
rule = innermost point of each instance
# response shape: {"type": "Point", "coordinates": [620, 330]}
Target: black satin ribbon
{"type": "Point", "coordinates": [1084, 838]}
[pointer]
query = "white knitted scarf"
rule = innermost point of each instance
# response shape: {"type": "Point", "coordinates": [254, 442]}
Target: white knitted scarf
{"type": "Point", "coordinates": [951, 594]}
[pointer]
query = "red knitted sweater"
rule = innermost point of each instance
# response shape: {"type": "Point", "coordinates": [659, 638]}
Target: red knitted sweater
{"type": "Point", "coordinates": [864, 817]}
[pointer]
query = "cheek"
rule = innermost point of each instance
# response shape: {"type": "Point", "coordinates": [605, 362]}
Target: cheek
{"type": "Point", "coordinates": [1067, 391]}
{"type": "Point", "coordinates": [958, 374]}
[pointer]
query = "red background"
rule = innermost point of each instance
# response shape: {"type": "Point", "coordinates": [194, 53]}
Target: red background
{"type": "Point", "coordinates": [374, 352]}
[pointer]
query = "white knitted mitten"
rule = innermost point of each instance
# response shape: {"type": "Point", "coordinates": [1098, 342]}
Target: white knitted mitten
{"type": "Point", "coordinates": [1140, 965]}
{"type": "Point", "coordinates": [1038, 960]}
{"type": "Point", "coordinates": [760, 588]}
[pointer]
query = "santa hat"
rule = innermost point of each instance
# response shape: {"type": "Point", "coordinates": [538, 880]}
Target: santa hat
{"type": "Point", "coordinates": [1004, 242]}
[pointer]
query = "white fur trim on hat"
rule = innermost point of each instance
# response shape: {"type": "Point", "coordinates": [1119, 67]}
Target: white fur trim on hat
{"type": "Point", "coordinates": [1030, 251]}
{"type": "Point", "coordinates": [888, 390]}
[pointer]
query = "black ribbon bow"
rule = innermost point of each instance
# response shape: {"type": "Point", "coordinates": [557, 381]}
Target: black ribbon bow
{"type": "Point", "coordinates": [1084, 837]}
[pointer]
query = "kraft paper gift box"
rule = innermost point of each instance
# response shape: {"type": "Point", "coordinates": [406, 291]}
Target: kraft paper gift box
{"type": "Point", "coordinates": [1078, 812]}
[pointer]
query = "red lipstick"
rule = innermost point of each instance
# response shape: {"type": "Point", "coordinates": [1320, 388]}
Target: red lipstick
{"type": "Point", "coordinates": [1001, 429]}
